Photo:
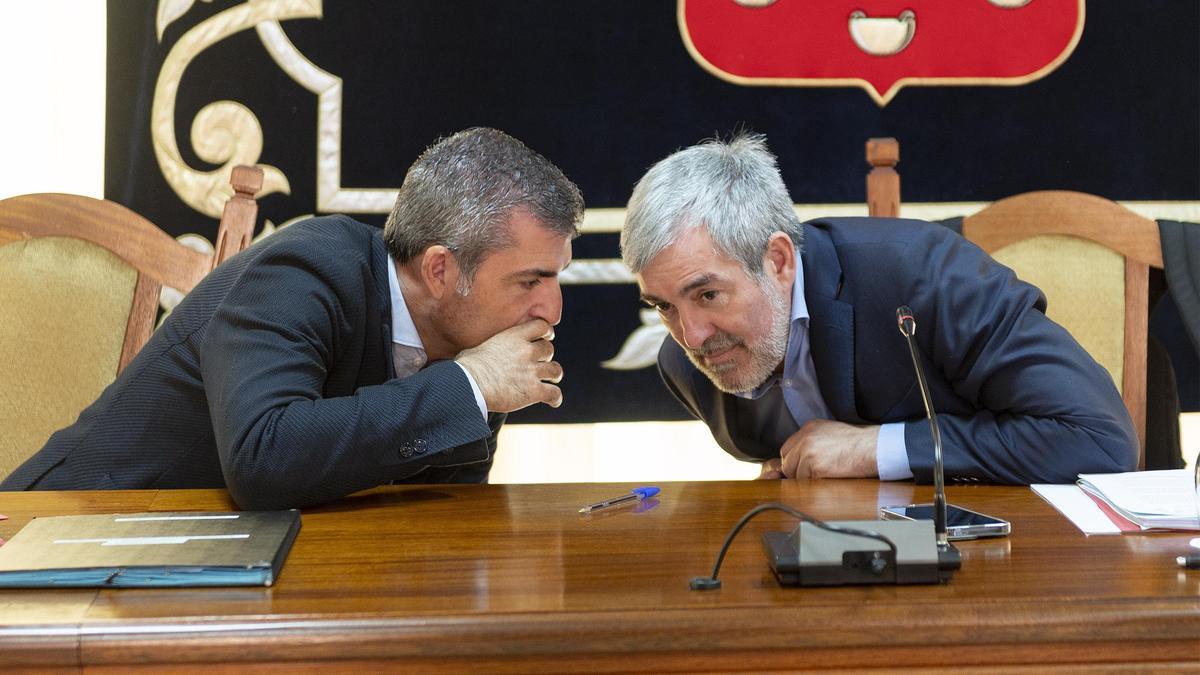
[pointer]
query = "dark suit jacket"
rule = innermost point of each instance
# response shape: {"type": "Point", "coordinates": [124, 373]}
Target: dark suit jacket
{"type": "Point", "coordinates": [273, 378]}
{"type": "Point", "coordinates": [1018, 400]}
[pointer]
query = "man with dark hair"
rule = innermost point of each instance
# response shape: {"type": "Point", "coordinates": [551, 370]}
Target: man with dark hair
{"type": "Point", "coordinates": [786, 343]}
{"type": "Point", "coordinates": [330, 357]}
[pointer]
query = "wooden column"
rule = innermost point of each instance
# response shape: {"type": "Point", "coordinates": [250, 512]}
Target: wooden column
{"type": "Point", "coordinates": [238, 218]}
{"type": "Point", "coordinates": [883, 183]}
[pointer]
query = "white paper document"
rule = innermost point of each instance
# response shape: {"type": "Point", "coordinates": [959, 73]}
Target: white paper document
{"type": "Point", "coordinates": [1151, 499]}
{"type": "Point", "coordinates": [1137, 500]}
{"type": "Point", "coordinates": [1077, 507]}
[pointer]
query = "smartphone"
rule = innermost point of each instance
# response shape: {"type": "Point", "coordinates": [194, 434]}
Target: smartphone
{"type": "Point", "coordinates": [960, 523]}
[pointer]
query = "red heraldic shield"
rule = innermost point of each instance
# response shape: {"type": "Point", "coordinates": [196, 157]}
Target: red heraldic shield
{"type": "Point", "coordinates": [880, 45]}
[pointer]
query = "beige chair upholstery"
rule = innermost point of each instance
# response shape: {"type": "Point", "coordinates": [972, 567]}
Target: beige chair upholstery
{"type": "Point", "coordinates": [46, 382]}
{"type": "Point", "coordinates": [79, 286]}
{"type": "Point", "coordinates": [1095, 257]}
{"type": "Point", "coordinates": [1087, 282]}
{"type": "Point", "coordinates": [1089, 255]}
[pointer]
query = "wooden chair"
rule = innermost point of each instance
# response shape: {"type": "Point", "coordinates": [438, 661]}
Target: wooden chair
{"type": "Point", "coordinates": [1089, 255]}
{"type": "Point", "coordinates": [883, 182]}
{"type": "Point", "coordinates": [79, 288]}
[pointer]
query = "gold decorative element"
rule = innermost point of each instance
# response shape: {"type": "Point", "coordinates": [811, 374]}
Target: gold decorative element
{"type": "Point", "coordinates": [596, 271]}
{"type": "Point", "coordinates": [882, 36]}
{"type": "Point", "coordinates": [224, 132]}
{"type": "Point", "coordinates": [168, 11]}
{"type": "Point", "coordinates": [640, 349]}
{"type": "Point", "coordinates": [331, 196]}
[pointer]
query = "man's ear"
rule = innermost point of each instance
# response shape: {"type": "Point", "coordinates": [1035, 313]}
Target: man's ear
{"type": "Point", "coordinates": [779, 262]}
{"type": "Point", "coordinates": [439, 270]}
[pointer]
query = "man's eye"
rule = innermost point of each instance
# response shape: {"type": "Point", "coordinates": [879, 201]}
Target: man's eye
{"type": "Point", "coordinates": [529, 285]}
{"type": "Point", "coordinates": [662, 307]}
{"type": "Point", "coordinates": [709, 295]}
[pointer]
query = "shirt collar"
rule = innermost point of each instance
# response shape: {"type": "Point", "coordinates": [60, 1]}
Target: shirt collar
{"type": "Point", "coordinates": [404, 331]}
{"type": "Point", "coordinates": [799, 306]}
{"type": "Point", "coordinates": [797, 328]}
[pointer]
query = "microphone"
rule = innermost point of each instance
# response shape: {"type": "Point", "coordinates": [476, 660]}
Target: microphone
{"type": "Point", "coordinates": [823, 557]}
{"type": "Point", "coordinates": [947, 554]}
{"type": "Point", "coordinates": [837, 553]}
{"type": "Point", "coordinates": [908, 328]}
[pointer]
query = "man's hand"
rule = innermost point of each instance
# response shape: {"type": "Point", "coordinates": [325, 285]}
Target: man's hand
{"type": "Point", "coordinates": [770, 470]}
{"type": "Point", "coordinates": [513, 368]}
{"type": "Point", "coordinates": [828, 449]}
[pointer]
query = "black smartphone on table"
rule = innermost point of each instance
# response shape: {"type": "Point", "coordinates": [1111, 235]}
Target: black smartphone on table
{"type": "Point", "coordinates": [960, 523]}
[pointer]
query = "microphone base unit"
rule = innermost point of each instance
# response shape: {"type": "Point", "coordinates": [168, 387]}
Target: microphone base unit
{"type": "Point", "coordinates": [811, 556]}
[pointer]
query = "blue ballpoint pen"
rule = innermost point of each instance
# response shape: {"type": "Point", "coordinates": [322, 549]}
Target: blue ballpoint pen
{"type": "Point", "coordinates": [636, 494]}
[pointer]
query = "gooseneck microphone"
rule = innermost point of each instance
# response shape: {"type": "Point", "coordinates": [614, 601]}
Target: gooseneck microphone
{"type": "Point", "coordinates": [835, 553]}
{"type": "Point", "coordinates": [908, 328]}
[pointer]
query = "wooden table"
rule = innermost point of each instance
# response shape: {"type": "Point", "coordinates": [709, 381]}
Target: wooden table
{"type": "Point", "coordinates": [510, 578]}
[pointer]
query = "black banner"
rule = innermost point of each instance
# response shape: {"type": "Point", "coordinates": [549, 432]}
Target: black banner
{"type": "Point", "coordinates": [604, 90]}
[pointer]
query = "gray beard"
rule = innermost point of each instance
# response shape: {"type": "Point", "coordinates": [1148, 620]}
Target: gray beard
{"type": "Point", "coordinates": [765, 354]}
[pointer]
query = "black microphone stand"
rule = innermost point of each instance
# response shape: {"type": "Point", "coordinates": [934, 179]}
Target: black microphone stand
{"type": "Point", "coordinates": [836, 553]}
{"type": "Point", "coordinates": [908, 328]}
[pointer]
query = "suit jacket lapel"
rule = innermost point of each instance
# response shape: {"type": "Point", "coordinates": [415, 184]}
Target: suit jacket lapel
{"type": "Point", "coordinates": [379, 263]}
{"type": "Point", "coordinates": [727, 426]}
{"type": "Point", "coordinates": [831, 324]}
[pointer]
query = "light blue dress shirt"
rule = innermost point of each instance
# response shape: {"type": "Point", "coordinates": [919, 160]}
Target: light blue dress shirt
{"type": "Point", "coordinates": [802, 395]}
{"type": "Point", "coordinates": [404, 331]}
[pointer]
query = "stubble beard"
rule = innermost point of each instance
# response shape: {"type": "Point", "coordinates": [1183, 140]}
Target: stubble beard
{"type": "Point", "coordinates": [766, 353]}
{"type": "Point", "coordinates": [455, 321]}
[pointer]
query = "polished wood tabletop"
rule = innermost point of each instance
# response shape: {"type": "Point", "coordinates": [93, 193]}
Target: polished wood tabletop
{"type": "Point", "coordinates": [511, 578]}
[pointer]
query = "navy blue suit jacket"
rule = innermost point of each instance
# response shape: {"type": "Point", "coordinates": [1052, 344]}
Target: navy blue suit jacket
{"type": "Point", "coordinates": [274, 378]}
{"type": "Point", "coordinates": [1018, 400]}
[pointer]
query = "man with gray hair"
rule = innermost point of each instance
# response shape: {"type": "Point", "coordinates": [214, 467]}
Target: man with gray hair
{"type": "Point", "coordinates": [331, 357]}
{"type": "Point", "coordinates": [786, 341]}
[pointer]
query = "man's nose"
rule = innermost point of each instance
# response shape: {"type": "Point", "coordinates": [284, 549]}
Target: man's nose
{"type": "Point", "coordinates": [548, 305]}
{"type": "Point", "coordinates": [695, 329]}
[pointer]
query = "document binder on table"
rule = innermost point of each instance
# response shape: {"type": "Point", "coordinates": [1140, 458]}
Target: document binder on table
{"type": "Point", "coordinates": [1149, 500]}
{"type": "Point", "coordinates": [150, 549]}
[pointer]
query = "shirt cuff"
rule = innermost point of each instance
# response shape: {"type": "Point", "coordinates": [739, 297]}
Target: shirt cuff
{"type": "Point", "coordinates": [479, 394]}
{"type": "Point", "coordinates": [891, 454]}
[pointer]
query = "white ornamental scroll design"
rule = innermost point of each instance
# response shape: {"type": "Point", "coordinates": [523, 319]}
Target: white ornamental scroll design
{"type": "Point", "coordinates": [641, 347]}
{"type": "Point", "coordinates": [224, 132]}
{"type": "Point", "coordinates": [228, 133]}
{"type": "Point", "coordinates": [331, 196]}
